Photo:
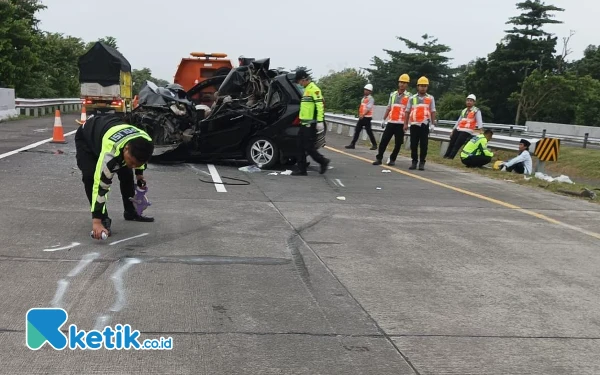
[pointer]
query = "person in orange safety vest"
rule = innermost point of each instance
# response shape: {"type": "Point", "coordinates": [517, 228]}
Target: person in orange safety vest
{"type": "Point", "coordinates": [365, 115]}
{"type": "Point", "coordinates": [420, 115]}
{"type": "Point", "coordinates": [468, 122]}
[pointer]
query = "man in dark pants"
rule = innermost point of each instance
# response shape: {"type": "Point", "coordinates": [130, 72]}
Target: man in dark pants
{"type": "Point", "coordinates": [420, 114]}
{"type": "Point", "coordinates": [365, 116]}
{"type": "Point", "coordinates": [312, 117]}
{"type": "Point", "coordinates": [105, 146]}
{"type": "Point", "coordinates": [394, 114]}
{"type": "Point", "coordinates": [468, 122]}
{"type": "Point", "coordinates": [476, 154]}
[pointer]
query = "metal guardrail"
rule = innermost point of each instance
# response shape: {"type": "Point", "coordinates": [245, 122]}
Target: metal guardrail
{"type": "Point", "coordinates": [37, 107]}
{"type": "Point", "coordinates": [439, 133]}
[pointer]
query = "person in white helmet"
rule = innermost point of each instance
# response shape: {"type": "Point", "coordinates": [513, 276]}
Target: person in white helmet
{"type": "Point", "coordinates": [468, 121]}
{"type": "Point", "coordinates": [365, 115]}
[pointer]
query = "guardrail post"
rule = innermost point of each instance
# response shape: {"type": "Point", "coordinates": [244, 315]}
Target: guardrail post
{"type": "Point", "coordinates": [585, 140]}
{"type": "Point", "coordinates": [510, 131]}
{"type": "Point", "coordinates": [544, 133]}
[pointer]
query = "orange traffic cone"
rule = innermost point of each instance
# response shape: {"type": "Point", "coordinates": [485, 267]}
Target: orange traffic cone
{"type": "Point", "coordinates": [58, 135]}
{"type": "Point", "coordinates": [81, 121]}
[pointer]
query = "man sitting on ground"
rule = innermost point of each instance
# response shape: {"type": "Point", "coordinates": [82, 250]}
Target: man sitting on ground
{"type": "Point", "coordinates": [522, 163]}
{"type": "Point", "coordinates": [476, 154]}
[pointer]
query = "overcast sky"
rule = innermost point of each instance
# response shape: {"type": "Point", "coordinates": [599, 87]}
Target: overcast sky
{"type": "Point", "coordinates": [157, 34]}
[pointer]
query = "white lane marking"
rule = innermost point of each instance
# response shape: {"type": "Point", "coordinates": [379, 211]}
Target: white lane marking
{"type": "Point", "coordinates": [339, 182]}
{"type": "Point", "coordinates": [63, 284]}
{"type": "Point", "coordinates": [64, 247]}
{"type": "Point", "coordinates": [33, 145]}
{"type": "Point", "coordinates": [127, 239]}
{"type": "Point", "coordinates": [217, 179]}
{"type": "Point", "coordinates": [334, 182]}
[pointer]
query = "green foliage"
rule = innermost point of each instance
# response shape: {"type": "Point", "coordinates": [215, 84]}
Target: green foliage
{"type": "Point", "coordinates": [426, 60]}
{"type": "Point", "coordinates": [343, 90]}
{"type": "Point", "coordinates": [140, 76]}
{"type": "Point", "coordinates": [451, 104]}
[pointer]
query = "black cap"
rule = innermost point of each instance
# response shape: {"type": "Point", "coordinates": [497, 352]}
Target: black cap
{"type": "Point", "coordinates": [525, 142]}
{"type": "Point", "coordinates": [301, 74]}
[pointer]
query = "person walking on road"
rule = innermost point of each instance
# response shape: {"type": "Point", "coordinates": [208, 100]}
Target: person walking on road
{"type": "Point", "coordinates": [420, 114]}
{"type": "Point", "coordinates": [468, 121]}
{"type": "Point", "coordinates": [365, 115]}
{"type": "Point", "coordinates": [312, 117]}
{"type": "Point", "coordinates": [476, 154]}
{"type": "Point", "coordinates": [394, 115]}
{"type": "Point", "coordinates": [105, 145]}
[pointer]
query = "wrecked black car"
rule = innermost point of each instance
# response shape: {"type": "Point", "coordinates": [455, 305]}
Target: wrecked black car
{"type": "Point", "coordinates": [254, 117]}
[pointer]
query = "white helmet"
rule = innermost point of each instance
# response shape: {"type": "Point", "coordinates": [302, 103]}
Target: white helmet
{"type": "Point", "coordinates": [369, 87]}
{"type": "Point", "coordinates": [472, 96]}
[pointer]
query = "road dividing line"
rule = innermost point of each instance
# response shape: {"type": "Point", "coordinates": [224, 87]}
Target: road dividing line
{"type": "Point", "coordinates": [480, 196]}
{"type": "Point", "coordinates": [33, 145]}
{"type": "Point", "coordinates": [216, 179]}
{"type": "Point", "coordinates": [127, 239]}
{"type": "Point", "coordinates": [63, 248]}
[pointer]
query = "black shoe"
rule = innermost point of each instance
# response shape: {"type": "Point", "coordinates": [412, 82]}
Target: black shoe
{"type": "Point", "coordinates": [299, 173]}
{"type": "Point", "coordinates": [324, 166]}
{"type": "Point", "coordinates": [350, 146]}
{"type": "Point", "coordinates": [374, 147]}
{"type": "Point", "coordinates": [377, 162]}
{"type": "Point", "coordinates": [106, 222]}
{"type": "Point", "coordinates": [391, 162]}
{"type": "Point", "coordinates": [413, 165]}
{"type": "Point", "coordinates": [422, 166]}
{"type": "Point", "coordinates": [133, 216]}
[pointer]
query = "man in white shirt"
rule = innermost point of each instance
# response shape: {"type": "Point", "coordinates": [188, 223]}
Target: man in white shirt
{"type": "Point", "coordinates": [522, 163]}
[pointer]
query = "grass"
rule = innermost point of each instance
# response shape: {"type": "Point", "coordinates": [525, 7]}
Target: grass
{"type": "Point", "coordinates": [579, 164]}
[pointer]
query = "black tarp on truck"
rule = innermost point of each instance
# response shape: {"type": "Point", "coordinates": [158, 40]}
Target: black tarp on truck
{"type": "Point", "coordinates": [102, 64]}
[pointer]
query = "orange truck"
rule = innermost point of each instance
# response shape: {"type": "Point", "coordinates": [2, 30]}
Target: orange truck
{"type": "Point", "coordinates": [200, 67]}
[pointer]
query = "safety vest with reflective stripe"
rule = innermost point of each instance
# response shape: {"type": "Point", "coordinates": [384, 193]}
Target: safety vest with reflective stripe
{"type": "Point", "coordinates": [420, 113]}
{"type": "Point", "coordinates": [398, 106]}
{"type": "Point", "coordinates": [468, 122]}
{"type": "Point", "coordinates": [477, 145]}
{"type": "Point", "coordinates": [363, 106]}
{"type": "Point", "coordinates": [312, 107]}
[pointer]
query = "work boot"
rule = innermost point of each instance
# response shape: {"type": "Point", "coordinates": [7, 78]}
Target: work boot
{"type": "Point", "coordinates": [374, 147]}
{"type": "Point", "coordinates": [391, 163]}
{"type": "Point", "coordinates": [351, 146]}
{"type": "Point", "coordinates": [422, 166]}
{"type": "Point", "coordinates": [413, 165]}
{"type": "Point", "coordinates": [324, 166]}
{"type": "Point", "coordinates": [377, 162]}
{"type": "Point", "coordinates": [133, 216]}
{"type": "Point", "coordinates": [106, 222]}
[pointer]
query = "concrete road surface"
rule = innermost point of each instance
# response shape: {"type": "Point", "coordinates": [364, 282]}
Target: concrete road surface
{"type": "Point", "coordinates": [415, 272]}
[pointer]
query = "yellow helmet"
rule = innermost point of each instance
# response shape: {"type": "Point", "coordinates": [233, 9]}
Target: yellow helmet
{"type": "Point", "coordinates": [497, 164]}
{"type": "Point", "coordinates": [423, 81]}
{"type": "Point", "coordinates": [404, 78]}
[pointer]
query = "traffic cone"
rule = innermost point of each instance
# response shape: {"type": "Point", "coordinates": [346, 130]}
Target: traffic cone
{"type": "Point", "coordinates": [58, 135]}
{"type": "Point", "coordinates": [83, 116]}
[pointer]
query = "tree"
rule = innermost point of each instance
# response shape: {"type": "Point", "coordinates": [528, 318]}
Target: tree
{"type": "Point", "coordinates": [589, 64]}
{"type": "Point", "coordinates": [140, 76]}
{"type": "Point", "coordinates": [109, 40]}
{"type": "Point", "coordinates": [428, 60]}
{"type": "Point", "coordinates": [18, 38]}
{"type": "Point", "coordinates": [343, 90]}
{"type": "Point", "coordinates": [451, 104]}
{"type": "Point", "coordinates": [525, 47]}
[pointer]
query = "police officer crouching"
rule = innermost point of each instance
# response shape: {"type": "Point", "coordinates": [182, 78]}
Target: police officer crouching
{"type": "Point", "coordinates": [106, 145]}
{"type": "Point", "coordinates": [476, 154]}
{"type": "Point", "coordinates": [312, 115]}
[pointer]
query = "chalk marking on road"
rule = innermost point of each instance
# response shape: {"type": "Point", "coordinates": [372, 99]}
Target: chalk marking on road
{"type": "Point", "coordinates": [339, 182]}
{"type": "Point", "coordinates": [117, 278]}
{"type": "Point", "coordinates": [198, 170]}
{"type": "Point", "coordinates": [216, 179]}
{"type": "Point", "coordinates": [63, 248]}
{"type": "Point", "coordinates": [33, 145]}
{"type": "Point", "coordinates": [129, 238]}
{"type": "Point", "coordinates": [476, 195]}
{"type": "Point", "coordinates": [63, 284]}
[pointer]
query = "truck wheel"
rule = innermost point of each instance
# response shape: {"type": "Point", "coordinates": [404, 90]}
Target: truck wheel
{"type": "Point", "coordinates": [263, 152]}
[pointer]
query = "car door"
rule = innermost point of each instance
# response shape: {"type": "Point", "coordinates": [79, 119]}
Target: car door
{"type": "Point", "coordinates": [225, 133]}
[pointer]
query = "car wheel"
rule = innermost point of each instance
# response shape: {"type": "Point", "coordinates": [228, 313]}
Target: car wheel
{"type": "Point", "coordinates": [262, 152]}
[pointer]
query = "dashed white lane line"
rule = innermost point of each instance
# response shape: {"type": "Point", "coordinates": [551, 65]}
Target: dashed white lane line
{"type": "Point", "coordinates": [216, 179]}
{"type": "Point", "coordinates": [129, 238]}
{"type": "Point", "coordinates": [339, 182]}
